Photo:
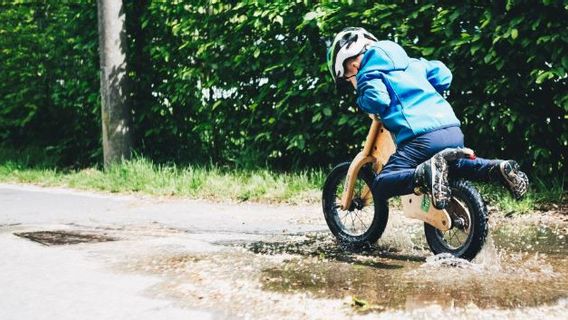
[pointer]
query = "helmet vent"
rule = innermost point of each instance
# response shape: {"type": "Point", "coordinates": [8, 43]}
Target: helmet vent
{"type": "Point", "coordinates": [352, 41]}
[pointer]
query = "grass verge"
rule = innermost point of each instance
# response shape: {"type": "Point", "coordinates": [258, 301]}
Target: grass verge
{"type": "Point", "coordinates": [205, 182]}
{"type": "Point", "coordinates": [143, 176]}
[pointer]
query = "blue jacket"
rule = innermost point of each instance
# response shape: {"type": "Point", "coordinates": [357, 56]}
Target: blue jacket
{"type": "Point", "coordinates": [405, 92]}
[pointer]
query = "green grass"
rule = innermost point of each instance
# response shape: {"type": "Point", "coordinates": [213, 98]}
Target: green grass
{"type": "Point", "coordinates": [142, 176]}
{"type": "Point", "coordinates": [541, 196]}
{"type": "Point", "coordinates": [209, 182]}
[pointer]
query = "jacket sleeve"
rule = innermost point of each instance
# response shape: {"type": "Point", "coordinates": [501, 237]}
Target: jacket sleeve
{"type": "Point", "coordinates": [372, 94]}
{"type": "Point", "coordinates": [438, 74]}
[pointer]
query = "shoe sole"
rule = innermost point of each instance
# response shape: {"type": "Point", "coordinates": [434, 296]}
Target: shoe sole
{"type": "Point", "coordinates": [441, 192]}
{"type": "Point", "coordinates": [515, 178]}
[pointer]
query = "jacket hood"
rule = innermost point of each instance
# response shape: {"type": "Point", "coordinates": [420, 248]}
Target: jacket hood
{"type": "Point", "coordinates": [384, 56]}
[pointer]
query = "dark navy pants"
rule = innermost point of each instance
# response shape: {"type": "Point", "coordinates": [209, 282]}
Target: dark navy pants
{"type": "Point", "coordinates": [397, 176]}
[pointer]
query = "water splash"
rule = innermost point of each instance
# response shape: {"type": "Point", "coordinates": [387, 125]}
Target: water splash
{"type": "Point", "coordinates": [491, 263]}
{"type": "Point", "coordinates": [447, 260]}
{"type": "Point", "coordinates": [489, 255]}
{"type": "Point", "coordinates": [405, 236]}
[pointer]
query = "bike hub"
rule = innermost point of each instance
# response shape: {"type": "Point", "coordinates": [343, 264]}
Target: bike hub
{"type": "Point", "coordinates": [459, 223]}
{"type": "Point", "coordinates": [356, 204]}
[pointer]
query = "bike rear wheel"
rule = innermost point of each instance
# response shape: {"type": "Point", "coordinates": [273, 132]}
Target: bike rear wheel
{"type": "Point", "coordinates": [469, 224]}
{"type": "Point", "coordinates": [364, 222]}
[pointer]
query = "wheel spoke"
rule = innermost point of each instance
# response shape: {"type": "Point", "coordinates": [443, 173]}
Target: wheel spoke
{"type": "Point", "coordinates": [352, 222]}
{"type": "Point", "coordinates": [362, 222]}
{"type": "Point", "coordinates": [452, 237]}
{"type": "Point", "coordinates": [355, 217]}
{"type": "Point", "coordinates": [458, 237]}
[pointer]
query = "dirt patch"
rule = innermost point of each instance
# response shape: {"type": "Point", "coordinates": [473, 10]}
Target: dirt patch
{"type": "Point", "coordinates": [57, 238]}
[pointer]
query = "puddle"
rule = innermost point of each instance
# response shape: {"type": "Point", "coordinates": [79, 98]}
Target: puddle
{"type": "Point", "coordinates": [533, 238]}
{"type": "Point", "coordinates": [520, 266]}
{"type": "Point", "coordinates": [56, 238]}
{"type": "Point", "coordinates": [310, 276]}
{"type": "Point", "coordinates": [323, 246]}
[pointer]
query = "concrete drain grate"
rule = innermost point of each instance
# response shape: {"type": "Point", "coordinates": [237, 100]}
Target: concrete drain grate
{"type": "Point", "coordinates": [57, 238]}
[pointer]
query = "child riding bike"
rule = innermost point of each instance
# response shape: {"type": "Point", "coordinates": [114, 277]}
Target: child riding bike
{"type": "Point", "coordinates": [406, 93]}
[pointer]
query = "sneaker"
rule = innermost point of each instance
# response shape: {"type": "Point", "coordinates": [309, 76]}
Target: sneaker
{"type": "Point", "coordinates": [513, 178]}
{"type": "Point", "coordinates": [431, 177]}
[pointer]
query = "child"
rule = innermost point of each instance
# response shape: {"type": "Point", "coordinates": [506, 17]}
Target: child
{"type": "Point", "coordinates": [406, 94]}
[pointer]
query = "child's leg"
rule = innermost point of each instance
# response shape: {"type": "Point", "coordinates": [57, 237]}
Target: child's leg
{"type": "Point", "coordinates": [392, 182]}
{"type": "Point", "coordinates": [505, 172]}
{"type": "Point", "coordinates": [477, 170]}
{"type": "Point", "coordinates": [397, 176]}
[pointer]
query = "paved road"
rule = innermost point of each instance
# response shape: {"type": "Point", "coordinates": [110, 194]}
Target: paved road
{"type": "Point", "coordinates": [188, 259]}
{"type": "Point", "coordinates": [33, 205]}
{"type": "Point", "coordinates": [60, 282]}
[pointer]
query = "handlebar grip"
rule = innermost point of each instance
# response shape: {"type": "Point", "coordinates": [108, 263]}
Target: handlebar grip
{"type": "Point", "coordinates": [451, 154]}
{"type": "Point", "coordinates": [468, 153]}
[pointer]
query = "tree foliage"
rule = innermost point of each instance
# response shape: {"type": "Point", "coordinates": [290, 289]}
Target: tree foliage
{"type": "Point", "coordinates": [48, 78]}
{"type": "Point", "coordinates": [245, 82]}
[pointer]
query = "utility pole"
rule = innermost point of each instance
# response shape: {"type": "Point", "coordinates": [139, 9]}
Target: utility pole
{"type": "Point", "coordinates": [114, 107]}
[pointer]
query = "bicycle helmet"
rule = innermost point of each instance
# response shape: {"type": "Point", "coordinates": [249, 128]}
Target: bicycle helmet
{"type": "Point", "coordinates": [348, 43]}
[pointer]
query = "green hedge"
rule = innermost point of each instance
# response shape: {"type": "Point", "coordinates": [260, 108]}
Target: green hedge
{"type": "Point", "coordinates": [49, 78]}
{"type": "Point", "coordinates": [244, 82]}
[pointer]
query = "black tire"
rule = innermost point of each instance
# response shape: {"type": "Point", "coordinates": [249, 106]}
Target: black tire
{"type": "Point", "coordinates": [332, 190]}
{"type": "Point", "coordinates": [477, 228]}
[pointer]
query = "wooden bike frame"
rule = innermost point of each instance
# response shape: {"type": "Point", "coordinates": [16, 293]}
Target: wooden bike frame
{"type": "Point", "coordinates": [379, 146]}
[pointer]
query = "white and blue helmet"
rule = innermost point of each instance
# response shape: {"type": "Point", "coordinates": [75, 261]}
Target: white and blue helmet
{"type": "Point", "coordinates": [348, 43]}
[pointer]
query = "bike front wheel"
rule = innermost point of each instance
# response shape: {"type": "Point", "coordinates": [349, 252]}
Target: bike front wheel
{"type": "Point", "coordinates": [364, 222]}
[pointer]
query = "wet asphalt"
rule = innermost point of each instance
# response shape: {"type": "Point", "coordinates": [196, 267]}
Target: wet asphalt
{"type": "Point", "coordinates": [69, 254]}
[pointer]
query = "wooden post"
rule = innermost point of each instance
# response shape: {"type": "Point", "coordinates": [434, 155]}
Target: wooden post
{"type": "Point", "coordinates": [114, 108]}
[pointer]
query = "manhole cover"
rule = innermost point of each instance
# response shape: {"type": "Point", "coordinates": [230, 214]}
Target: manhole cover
{"type": "Point", "coordinates": [55, 238]}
